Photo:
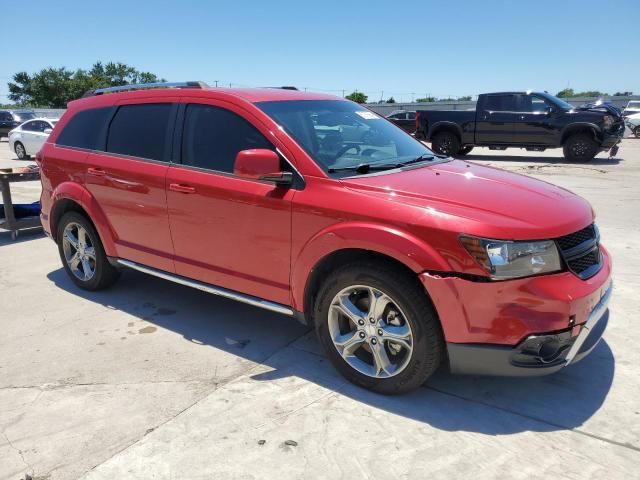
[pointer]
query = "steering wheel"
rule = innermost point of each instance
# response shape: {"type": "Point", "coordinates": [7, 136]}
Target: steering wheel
{"type": "Point", "coordinates": [345, 148]}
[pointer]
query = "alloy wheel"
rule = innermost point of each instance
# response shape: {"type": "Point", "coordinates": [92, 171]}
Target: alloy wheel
{"type": "Point", "coordinates": [370, 331]}
{"type": "Point", "coordinates": [20, 151]}
{"type": "Point", "coordinates": [79, 252]}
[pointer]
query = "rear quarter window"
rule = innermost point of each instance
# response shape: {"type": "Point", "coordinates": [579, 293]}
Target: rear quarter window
{"type": "Point", "coordinates": [86, 129]}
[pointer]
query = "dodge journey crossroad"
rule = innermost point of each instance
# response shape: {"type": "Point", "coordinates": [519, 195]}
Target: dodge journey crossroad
{"type": "Point", "coordinates": [316, 207]}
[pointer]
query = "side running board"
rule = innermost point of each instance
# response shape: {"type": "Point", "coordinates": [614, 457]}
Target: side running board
{"type": "Point", "coordinates": [205, 287]}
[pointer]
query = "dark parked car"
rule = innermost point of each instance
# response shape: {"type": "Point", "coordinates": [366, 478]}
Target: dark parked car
{"type": "Point", "coordinates": [534, 121]}
{"type": "Point", "coordinates": [10, 119]}
{"type": "Point", "coordinates": [404, 119]}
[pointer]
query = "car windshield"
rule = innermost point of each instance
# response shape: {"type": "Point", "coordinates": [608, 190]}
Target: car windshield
{"type": "Point", "coordinates": [343, 137]}
{"type": "Point", "coordinates": [24, 116]}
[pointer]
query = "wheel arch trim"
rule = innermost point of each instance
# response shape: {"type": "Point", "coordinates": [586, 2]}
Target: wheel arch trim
{"type": "Point", "coordinates": [415, 254]}
{"type": "Point", "coordinates": [578, 127]}
{"type": "Point", "coordinates": [74, 192]}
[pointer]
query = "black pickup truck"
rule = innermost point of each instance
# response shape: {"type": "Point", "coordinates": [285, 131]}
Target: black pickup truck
{"type": "Point", "coordinates": [531, 120]}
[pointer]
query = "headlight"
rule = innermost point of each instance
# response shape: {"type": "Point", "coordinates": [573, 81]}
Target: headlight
{"type": "Point", "coordinates": [505, 259]}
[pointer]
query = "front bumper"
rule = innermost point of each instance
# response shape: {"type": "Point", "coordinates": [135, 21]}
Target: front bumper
{"type": "Point", "coordinates": [527, 326]}
{"type": "Point", "coordinates": [537, 354]}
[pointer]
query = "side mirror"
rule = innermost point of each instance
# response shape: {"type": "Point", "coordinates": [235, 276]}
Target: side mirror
{"type": "Point", "coordinates": [261, 164]}
{"type": "Point", "coordinates": [47, 131]}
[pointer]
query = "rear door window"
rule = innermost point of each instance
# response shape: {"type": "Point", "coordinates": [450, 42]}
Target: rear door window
{"type": "Point", "coordinates": [213, 136]}
{"type": "Point", "coordinates": [86, 129]}
{"type": "Point", "coordinates": [140, 131]}
{"type": "Point", "coordinates": [29, 127]}
{"type": "Point", "coordinates": [501, 103]}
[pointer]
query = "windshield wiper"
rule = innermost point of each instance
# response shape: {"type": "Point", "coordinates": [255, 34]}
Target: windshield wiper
{"type": "Point", "coordinates": [367, 167]}
{"type": "Point", "coordinates": [421, 158]}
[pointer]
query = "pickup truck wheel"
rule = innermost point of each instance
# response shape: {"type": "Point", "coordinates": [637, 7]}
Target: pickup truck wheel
{"type": "Point", "coordinates": [445, 143]}
{"type": "Point", "coordinates": [378, 327]}
{"type": "Point", "coordinates": [580, 148]}
{"type": "Point", "coordinates": [636, 131]}
{"type": "Point", "coordinates": [465, 150]}
{"type": "Point", "coordinates": [82, 253]}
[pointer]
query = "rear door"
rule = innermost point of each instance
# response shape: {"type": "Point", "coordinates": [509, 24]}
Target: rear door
{"type": "Point", "coordinates": [495, 119]}
{"type": "Point", "coordinates": [127, 180]}
{"type": "Point", "coordinates": [227, 231]}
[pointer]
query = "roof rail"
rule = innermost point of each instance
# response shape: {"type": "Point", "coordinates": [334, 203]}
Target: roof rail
{"type": "Point", "coordinates": [142, 86]}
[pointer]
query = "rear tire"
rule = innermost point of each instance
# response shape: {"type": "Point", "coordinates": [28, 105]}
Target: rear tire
{"type": "Point", "coordinates": [21, 152]}
{"type": "Point", "coordinates": [362, 345]}
{"type": "Point", "coordinates": [464, 150]}
{"type": "Point", "coordinates": [636, 131]}
{"type": "Point", "coordinates": [580, 148]}
{"type": "Point", "coordinates": [82, 253]}
{"type": "Point", "coordinates": [445, 143]}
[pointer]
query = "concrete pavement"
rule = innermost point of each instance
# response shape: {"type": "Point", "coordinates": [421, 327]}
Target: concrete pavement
{"type": "Point", "coordinates": [153, 380]}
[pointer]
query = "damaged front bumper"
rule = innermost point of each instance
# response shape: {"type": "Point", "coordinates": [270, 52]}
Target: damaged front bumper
{"type": "Point", "coordinates": [537, 354]}
{"type": "Point", "coordinates": [521, 327]}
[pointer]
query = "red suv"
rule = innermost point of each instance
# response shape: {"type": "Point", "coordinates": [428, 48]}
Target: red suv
{"type": "Point", "coordinates": [315, 207]}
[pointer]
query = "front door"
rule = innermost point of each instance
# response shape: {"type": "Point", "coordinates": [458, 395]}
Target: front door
{"type": "Point", "coordinates": [128, 182]}
{"type": "Point", "coordinates": [533, 123]}
{"type": "Point", "coordinates": [227, 231]}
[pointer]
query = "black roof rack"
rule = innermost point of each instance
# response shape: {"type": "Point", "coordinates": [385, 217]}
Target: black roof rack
{"type": "Point", "coordinates": [143, 86]}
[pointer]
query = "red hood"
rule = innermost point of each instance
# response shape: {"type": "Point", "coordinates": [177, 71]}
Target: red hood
{"type": "Point", "coordinates": [488, 201]}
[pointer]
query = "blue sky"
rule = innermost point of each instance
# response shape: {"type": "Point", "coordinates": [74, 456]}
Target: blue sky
{"type": "Point", "coordinates": [404, 49]}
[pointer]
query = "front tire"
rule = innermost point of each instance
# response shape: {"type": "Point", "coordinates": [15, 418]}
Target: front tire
{"type": "Point", "coordinates": [580, 148]}
{"type": "Point", "coordinates": [378, 327]}
{"type": "Point", "coordinates": [636, 131]}
{"type": "Point", "coordinates": [82, 253]}
{"type": "Point", "coordinates": [464, 150]}
{"type": "Point", "coordinates": [21, 152]}
{"type": "Point", "coordinates": [445, 143]}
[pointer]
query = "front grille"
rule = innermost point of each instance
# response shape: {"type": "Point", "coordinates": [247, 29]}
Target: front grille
{"type": "Point", "coordinates": [574, 239]}
{"type": "Point", "coordinates": [581, 252]}
{"type": "Point", "coordinates": [581, 264]}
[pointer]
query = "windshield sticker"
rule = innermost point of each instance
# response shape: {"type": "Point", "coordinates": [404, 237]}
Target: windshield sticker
{"type": "Point", "coordinates": [367, 115]}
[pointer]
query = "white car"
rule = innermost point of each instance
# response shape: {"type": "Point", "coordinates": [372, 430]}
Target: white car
{"type": "Point", "coordinates": [27, 139]}
{"type": "Point", "coordinates": [632, 108]}
{"type": "Point", "coordinates": [633, 122]}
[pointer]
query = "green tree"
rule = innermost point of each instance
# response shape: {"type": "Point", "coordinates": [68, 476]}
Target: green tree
{"type": "Point", "coordinates": [426, 99]}
{"type": "Point", "coordinates": [54, 87]}
{"type": "Point", "coordinates": [566, 93]}
{"type": "Point", "coordinates": [357, 97]}
{"type": "Point", "coordinates": [391, 100]}
{"type": "Point", "coordinates": [465, 98]}
{"type": "Point", "coordinates": [590, 93]}
{"type": "Point", "coordinates": [623, 94]}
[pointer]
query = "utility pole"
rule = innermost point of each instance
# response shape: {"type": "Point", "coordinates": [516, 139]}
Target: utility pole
{"type": "Point", "coordinates": [381, 96]}
{"type": "Point", "coordinates": [230, 84]}
{"type": "Point", "coordinates": [216, 82]}
{"type": "Point", "coordinates": [412, 96]}
{"type": "Point", "coordinates": [343, 93]}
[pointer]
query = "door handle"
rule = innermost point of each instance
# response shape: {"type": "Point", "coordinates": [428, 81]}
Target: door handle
{"type": "Point", "coordinates": [97, 172]}
{"type": "Point", "coordinates": [178, 187]}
